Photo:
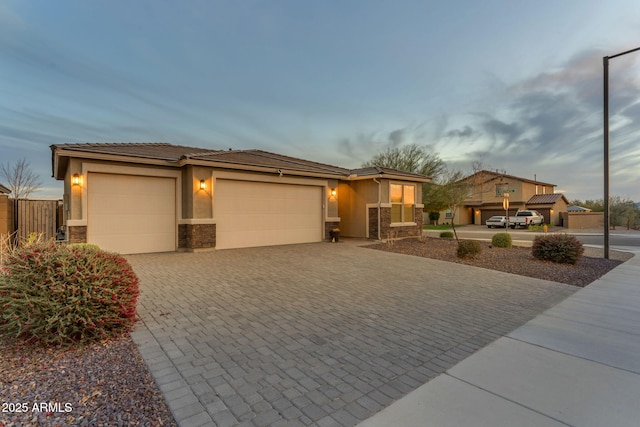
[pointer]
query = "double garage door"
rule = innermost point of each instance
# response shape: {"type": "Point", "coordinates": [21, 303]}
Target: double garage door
{"type": "Point", "coordinates": [264, 214]}
{"type": "Point", "coordinates": [137, 214]}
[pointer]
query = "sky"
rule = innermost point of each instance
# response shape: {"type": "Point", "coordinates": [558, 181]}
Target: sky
{"type": "Point", "coordinates": [516, 85]}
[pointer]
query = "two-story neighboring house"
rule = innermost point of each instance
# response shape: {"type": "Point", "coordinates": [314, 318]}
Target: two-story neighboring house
{"type": "Point", "coordinates": [488, 190]}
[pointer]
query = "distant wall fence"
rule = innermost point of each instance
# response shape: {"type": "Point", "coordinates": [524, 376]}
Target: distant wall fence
{"type": "Point", "coordinates": [578, 220]}
{"type": "Point", "coordinates": [24, 216]}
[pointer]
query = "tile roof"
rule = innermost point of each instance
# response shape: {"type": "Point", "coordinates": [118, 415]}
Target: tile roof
{"type": "Point", "coordinates": [380, 170]}
{"type": "Point", "coordinates": [545, 199]}
{"type": "Point", "coordinates": [152, 150]}
{"type": "Point", "coordinates": [266, 159]}
{"type": "Point", "coordinates": [233, 158]}
{"type": "Point", "coordinates": [493, 175]}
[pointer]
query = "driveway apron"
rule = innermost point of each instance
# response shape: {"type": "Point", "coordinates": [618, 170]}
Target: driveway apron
{"type": "Point", "coordinates": [322, 334]}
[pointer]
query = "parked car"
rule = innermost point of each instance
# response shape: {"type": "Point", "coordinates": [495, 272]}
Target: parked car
{"type": "Point", "coordinates": [526, 218]}
{"type": "Point", "coordinates": [497, 221]}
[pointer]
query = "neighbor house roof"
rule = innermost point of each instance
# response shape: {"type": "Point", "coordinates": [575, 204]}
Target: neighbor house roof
{"type": "Point", "coordinates": [577, 209]}
{"type": "Point", "coordinates": [177, 155]}
{"type": "Point", "coordinates": [491, 175]}
{"type": "Point", "coordinates": [4, 190]}
{"type": "Point", "coordinates": [546, 199]}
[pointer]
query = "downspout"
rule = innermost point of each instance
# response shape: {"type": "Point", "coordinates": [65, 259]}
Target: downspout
{"type": "Point", "coordinates": [379, 201]}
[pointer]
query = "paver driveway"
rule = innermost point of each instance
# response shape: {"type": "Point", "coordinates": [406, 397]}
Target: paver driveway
{"type": "Point", "coordinates": [323, 334]}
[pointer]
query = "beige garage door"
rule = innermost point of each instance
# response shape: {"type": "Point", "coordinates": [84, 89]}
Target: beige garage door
{"type": "Point", "coordinates": [264, 214]}
{"type": "Point", "coordinates": [131, 214]}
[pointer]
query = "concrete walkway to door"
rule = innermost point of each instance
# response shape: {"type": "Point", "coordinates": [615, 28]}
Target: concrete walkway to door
{"type": "Point", "coordinates": [322, 334]}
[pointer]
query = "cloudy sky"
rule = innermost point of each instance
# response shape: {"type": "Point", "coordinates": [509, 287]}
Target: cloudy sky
{"type": "Point", "coordinates": [514, 84]}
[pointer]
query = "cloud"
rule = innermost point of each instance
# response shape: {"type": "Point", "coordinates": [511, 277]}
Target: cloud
{"type": "Point", "coordinates": [551, 125]}
{"type": "Point", "coordinates": [467, 132]}
{"type": "Point", "coordinates": [396, 137]}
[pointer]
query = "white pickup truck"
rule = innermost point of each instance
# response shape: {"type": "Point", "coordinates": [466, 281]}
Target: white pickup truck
{"type": "Point", "coordinates": [526, 218]}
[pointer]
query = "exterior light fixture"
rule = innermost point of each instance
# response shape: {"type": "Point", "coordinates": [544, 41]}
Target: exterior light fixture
{"type": "Point", "coordinates": [203, 184]}
{"type": "Point", "coordinates": [76, 179]}
{"type": "Point", "coordinates": [333, 192]}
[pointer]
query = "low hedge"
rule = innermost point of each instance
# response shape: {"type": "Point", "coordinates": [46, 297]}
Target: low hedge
{"type": "Point", "coordinates": [54, 294]}
{"type": "Point", "coordinates": [468, 248]}
{"type": "Point", "coordinates": [501, 240]}
{"type": "Point", "coordinates": [446, 235]}
{"type": "Point", "coordinates": [559, 248]}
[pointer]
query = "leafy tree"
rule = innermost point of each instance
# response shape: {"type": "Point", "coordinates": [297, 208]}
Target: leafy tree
{"type": "Point", "coordinates": [21, 180]}
{"type": "Point", "coordinates": [623, 211]}
{"type": "Point", "coordinates": [416, 159]}
{"type": "Point", "coordinates": [452, 190]}
{"type": "Point", "coordinates": [410, 158]}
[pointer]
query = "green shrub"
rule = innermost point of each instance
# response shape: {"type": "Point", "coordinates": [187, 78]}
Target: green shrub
{"type": "Point", "coordinates": [560, 248]}
{"type": "Point", "coordinates": [446, 235]}
{"type": "Point", "coordinates": [54, 294]}
{"type": "Point", "coordinates": [88, 246]}
{"type": "Point", "coordinates": [469, 248]}
{"type": "Point", "coordinates": [501, 240]}
{"type": "Point", "coordinates": [434, 217]}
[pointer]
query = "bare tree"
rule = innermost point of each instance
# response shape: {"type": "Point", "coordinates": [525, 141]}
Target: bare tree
{"type": "Point", "coordinates": [21, 180]}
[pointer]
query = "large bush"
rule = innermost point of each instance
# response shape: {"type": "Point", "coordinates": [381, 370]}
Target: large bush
{"type": "Point", "coordinates": [468, 248]}
{"type": "Point", "coordinates": [560, 248]}
{"type": "Point", "coordinates": [55, 294]}
{"type": "Point", "coordinates": [434, 217]}
{"type": "Point", "coordinates": [501, 240]}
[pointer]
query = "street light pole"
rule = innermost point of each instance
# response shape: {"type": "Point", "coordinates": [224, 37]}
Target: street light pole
{"type": "Point", "coordinates": [605, 64]}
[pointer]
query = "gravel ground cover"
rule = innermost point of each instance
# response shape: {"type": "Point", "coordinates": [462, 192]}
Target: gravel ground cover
{"type": "Point", "coordinates": [108, 384]}
{"type": "Point", "coordinates": [105, 384]}
{"type": "Point", "coordinates": [515, 260]}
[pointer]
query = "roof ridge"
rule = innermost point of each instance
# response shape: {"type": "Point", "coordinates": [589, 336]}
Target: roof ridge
{"type": "Point", "coordinates": [122, 143]}
{"type": "Point", "coordinates": [292, 159]}
{"type": "Point", "coordinates": [205, 152]}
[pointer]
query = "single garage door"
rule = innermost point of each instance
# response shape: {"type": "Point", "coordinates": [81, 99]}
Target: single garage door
{"type": "Point", "coordinates": [264, 214]}
{"type": "Point", "coordinates": [131, 214]}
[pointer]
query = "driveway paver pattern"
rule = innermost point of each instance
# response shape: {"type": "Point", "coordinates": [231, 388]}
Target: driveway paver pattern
{"type": "Point", "coordinates": [322, 334]}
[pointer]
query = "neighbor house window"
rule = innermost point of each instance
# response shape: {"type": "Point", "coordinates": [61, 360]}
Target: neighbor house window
{"type": "Point", "coordinates": [403, 202]}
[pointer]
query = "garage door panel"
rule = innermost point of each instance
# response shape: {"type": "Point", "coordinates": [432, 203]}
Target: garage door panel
{"type": "Point", "coordinates": [263, 214]}
{"type": "Point", "coordinates": [131, 214]}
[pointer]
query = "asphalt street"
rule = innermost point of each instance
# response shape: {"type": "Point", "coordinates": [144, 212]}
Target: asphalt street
{"type": "Point", "coordinates": [620, 237]}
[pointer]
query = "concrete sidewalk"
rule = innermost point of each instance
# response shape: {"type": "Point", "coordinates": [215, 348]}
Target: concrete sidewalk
{"type": "Point", "coordinates": [576, 364]}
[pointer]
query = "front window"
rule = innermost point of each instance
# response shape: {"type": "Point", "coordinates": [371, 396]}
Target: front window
{"type": "Point", "coordinates": [403, 202]}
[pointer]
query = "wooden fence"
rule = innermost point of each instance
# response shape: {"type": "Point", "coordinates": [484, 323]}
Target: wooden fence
{"type": "Point", "coordinates": [36, 216]}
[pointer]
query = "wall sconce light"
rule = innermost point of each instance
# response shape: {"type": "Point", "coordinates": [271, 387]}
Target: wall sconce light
{"type": "Point", "coordinates": [333, 192]}
{"type": "Point", "coordinates": [203, 184]}
{"type": "Point", "coordinates": [76, 179]}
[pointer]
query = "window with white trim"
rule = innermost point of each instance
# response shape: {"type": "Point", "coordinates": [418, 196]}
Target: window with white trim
{"type": "Point", "coordinates": [403, 202]}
